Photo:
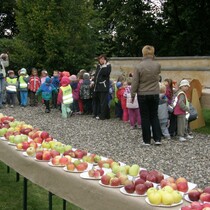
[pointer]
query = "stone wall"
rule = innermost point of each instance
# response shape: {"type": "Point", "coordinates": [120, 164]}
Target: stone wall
{"type": "Point", "coordinates": [176, 68]}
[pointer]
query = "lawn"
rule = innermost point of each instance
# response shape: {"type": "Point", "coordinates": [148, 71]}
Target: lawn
{"type": "Point", "coordinates": [206, 129]}
{"type": "Point", "coordinates": [11, 194]}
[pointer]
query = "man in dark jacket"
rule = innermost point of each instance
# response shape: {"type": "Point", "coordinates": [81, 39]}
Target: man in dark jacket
{"type": "Point", "coordinates": [101, 89]}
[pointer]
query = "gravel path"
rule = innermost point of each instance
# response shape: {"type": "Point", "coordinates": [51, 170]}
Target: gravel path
{"type": "Point", "coordinates": [113, 138]}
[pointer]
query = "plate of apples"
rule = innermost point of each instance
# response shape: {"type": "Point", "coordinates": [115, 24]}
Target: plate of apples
{"type": "Point", "coordinates": [93, 174]}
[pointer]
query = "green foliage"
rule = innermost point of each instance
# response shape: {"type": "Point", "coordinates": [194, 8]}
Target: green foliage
{"type": "Point", "coordinates": [206, 129]}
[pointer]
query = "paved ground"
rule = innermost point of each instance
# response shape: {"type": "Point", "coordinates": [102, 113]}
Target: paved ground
{"type": "Point", "coordinates": [113, 138]}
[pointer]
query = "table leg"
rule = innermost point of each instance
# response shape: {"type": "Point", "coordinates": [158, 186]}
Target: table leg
{"type": "Point", "coordinates": [8, 169]}
{"type": "Point", "coordinates": [50, 200]}
{"type": "Point", "coordinates": [64, 204]}
{"type": "Point", "coordinates": [25, 193]}
{"type": "Point", "coordinates": [17, 177]}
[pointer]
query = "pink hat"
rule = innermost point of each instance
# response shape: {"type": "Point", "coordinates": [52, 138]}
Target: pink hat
{"type": "Point", "coordinates": [65, 81]}
{"type": "Point", "coordinates": [73, 77]}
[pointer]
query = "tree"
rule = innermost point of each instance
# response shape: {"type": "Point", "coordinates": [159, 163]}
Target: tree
{"type": "Point", "coordinates": [60, 32]}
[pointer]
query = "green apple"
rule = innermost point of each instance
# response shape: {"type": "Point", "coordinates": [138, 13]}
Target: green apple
{"type": "Point", "coordinates": [167, 198]}
{"type": "Point", "coordinates": [154, 197]}
{"type": "Point", "coordinates": [177, 196]}
{"type": "Point", "coordinates": [115, 169]}
{"type": "Point", "coordinates": [122, 169]}
{"type": "Point", "coordinates": [17, 139]}
{"type": "Point", "coordinates": [97, 158]}
{"type": "Point", "coordinates": [11, 138]}
{"type": "Point", "coordinates": [168, 189]}
{"type": "Point", "coordinates": [68, 147]}
{"type": "Point", "coordinates": [30, 151]}
{"type": "Point", "coordinates": [77, 162]}
{"type": "Point", "coordinates": [105, 165]}
{"type": "Point", "coordinates": [151, 190]}
{"type": "Point", "coordinates": [134, 170]}
{"type": "Point", "coordinates": [24, 138]}
{"type": "Point", "coordinates": [11, 129]}
{"type": "Point", "coordinates": [110, 174]}
{"type": "Point", "coordinates": [127, 167]}
{"type": "Point", "coordinates": [46, 145]}
{"type": "Point", "coordinates": [3, 131]}
{"type": "Point", "coordinates": [114, 164]}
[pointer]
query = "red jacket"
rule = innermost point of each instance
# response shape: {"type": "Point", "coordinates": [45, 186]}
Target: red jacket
{"type": "Point", "coordinates": [121, 98]}
{"type": "Point", "coordinates": [177, 108]}
{"type": "Point", "coordinates": [34, 83]}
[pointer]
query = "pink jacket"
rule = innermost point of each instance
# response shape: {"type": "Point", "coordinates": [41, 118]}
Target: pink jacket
{"type": "Point", "coordinates": [177, 108]}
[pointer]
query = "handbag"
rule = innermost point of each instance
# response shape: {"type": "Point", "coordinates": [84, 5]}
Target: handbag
{"type": "Point", "coordinates": [193, 113]}
{"type": "Point", "coordinates": [129, 104]}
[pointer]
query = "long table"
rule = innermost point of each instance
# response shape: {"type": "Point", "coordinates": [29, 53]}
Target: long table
{"type": "Point", "coordinates": [87, 194]}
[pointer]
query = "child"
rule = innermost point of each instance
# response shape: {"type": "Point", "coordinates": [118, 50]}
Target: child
{"type": "Point", "coordinates": [122, 99]}
{"type": "Point", "coordinates": [11, 88]}
{"type": "Point", "coordinates": [181, 109]}
{"type": "Point", "coordinates": [56, 83]}
{"type": "Point", "coordinates": [118, 107]}
{"type": "Point", "coordinates": [75, 93]}
{"type": "Point", "coordinates": [80, 77]}
{"type": "Point", "coordinates": [23, 87]}
{"type": "Point", "coordinates": [65, 97]}
{"type": "Point", "coordinates": [163, 112]}
{"type": "Point", "coordinates": [85, 94]}
{"type": "Point", "coordinates": [44, 75]}
{"type": "Point", "coordinates": [34, 84]}
{"type": "Point", "coordinates": [46, 89]}
{"type": "Point", "coordinates": [133, 108]}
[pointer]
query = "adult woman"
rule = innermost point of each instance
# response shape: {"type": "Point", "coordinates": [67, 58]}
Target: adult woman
{"type": "Point", "coordinates": [146, 84]}
{"type": "Point", "coordinates": [101, 89]}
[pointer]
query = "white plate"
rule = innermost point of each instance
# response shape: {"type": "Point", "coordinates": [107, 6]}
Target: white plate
{"type": "Point", "coordinates": [109, 185]}
{"type": "Point", "coordinates": [191, 186]}
{"type": "Point", "coordinates": [186, 197]}
{"type": "Point", "coordinates": [50, 164]}
{"type": "Point", "coordinates": [122, 190]}
{"type": "Point", "coordinates": [25, 154]}
{"type": "Point", "coordinates": [74, 171]}
{"type": "Point", "coordinates": [162, 205]}
{"type": "Point", "coordinates": [3, 138]}
{"type": "Point", "coordinates": [41, 160]}
{"type": "Point", "coordinates": [19, 149]}
{"type": "Point", "coordinates": [85, 175]}
{"type": "Point", "coordinates": [11, 144]}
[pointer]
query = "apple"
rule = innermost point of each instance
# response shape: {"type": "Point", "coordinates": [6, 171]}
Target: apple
{"type": "Point", "coordinates": [115, 168]}
{"type": "Point", "coordinates": [54, 153]}
{"type": "Point", "coordinates": [134, 170]}
{"type": "Point", "coordinates": [81, 167]}
{"type": "Point", "coordinates": [63, 161]}
{"type": "Point", "coordinates": [206, 205]}
{"type": "Point", "coordinates": [143, 174]}
{"type": "Point", "coordinates": [33, 144]}
{"type": "Point", "coordinates": [77, 162]}
{"type": "Point", "coordinates": [97, 158]}
{"type": "Point", "coordinates": [168, 189]}
{"type": "Point", "coordinates": [167, 198]}
{"type": "Point", "coordinates": [114, 181]}
{"type": "Point", "coordinates": [171, 179]}
{"type": "Point", "coordinates": [38, 140]}
{"type": "Point", "coordinates": [106, 165]}
{"type": "Point", "coordinates": [44, 135]}
{"type": "Point", "coordinates": [207, 190]}
{"type": "Point", "coordinates": [39, 155]}
{"type": "Point", "coordinates": [159, 177]}
{"type": "Point", "coordinates": [180, 179]}
{"type": "Point", "coordinates": [185, 208]}
{"type": "Point", "coordinates": [17, 139]}
{"type": "Point", "coordinates": [49, 139]}
{"type": "Point", "coordinates": [56, 160]}
{"type": "Point", "coordinates": [194, 194]}
{"type": "Point", "coordinates": [196, 206]}
{"type": "Point", "coordinates": [182, 186]}
{"type": "Point", "coordinates": [154, 197]}
{"type": "Point", "coordinates": [139, 181]}
{"type": "Point", "coordinates": [45, 145]}
{"type": "Point", "coordinates": [91, 173]}
{"type": "Point", "coordinates": [70, 166]}
{"type": "Point", "coordinates": [130, 188]}
{"type": "Point", "coordinates": [123, 178]}
{"type": "Point", "coordinates": [67, 147]}
{"type": "Point", "coordinates": [19, 146]}
{"type": "Point", "coordinates": [30, 151]}
{"type": "Point", "coordinates": [25, 145]}
{"type": "Point", "coordinates": [105, 179]}
{"type": "Point", "coordinates": [24, 137]}
{"type": "Point", "coordinates": [11, 138]}
{"type": "Point", "coordinates": [79, 154]}
{"type": "Point", "coordinates": [68, 157]}
{"type": "Point", "coordinates": [148, 184]}
{"type": "Point", "coordinates": [46, 155]}
{"type": "Point", "coordinates": [101, 171]}
{"type": "Point", "coordinates": [177, 196]}
{"type": "Point", "coordinates": [96, 174]}
{"type": "Point", "coordinates": [205, 197]}
{"type": "Point", "coordinates": [151, 177]}
{"type": "Point", "coordinates": [140, 189]}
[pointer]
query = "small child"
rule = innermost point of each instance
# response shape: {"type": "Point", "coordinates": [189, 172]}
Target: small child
{"type": "Point", "coordinates": [23, 87]}
{"type": "Point", "coordinates": [181, 109]}
{"type": "Point", "coordinates": [11, 88]}
{"type": "Point", "coordinates": [163, 112]}
{"type": "Point", "coordinates": [85, 94]}
{"type": "Point", "coordinates": [75, 93]}
{"type": "Point", "coordinates": [65, 97]}
{"type": "Point", "coordinates": [118, 107]}
{"type": "Point", "coordinates": [133, 108]}
{"type": "Point", "coordinates": [44, 75]}
{"type": "Point", "coordinates": [56, 83]}
{"type": "Point", "coordinates": [34, 84]}
{"type": "Point", "coordinates": [122, 99]}
{"type": "Point", "coordinates": [46, 89]}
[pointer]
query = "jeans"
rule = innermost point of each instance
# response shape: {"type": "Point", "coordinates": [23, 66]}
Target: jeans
{"type": "Point", "coordinates": [11, 98]}
{"type": "Point", "coordinates": [148, 105]}
{"type": "Point", "coordinates": [33, 98]}
{"type": "Point", "coordinates": [23, 98]}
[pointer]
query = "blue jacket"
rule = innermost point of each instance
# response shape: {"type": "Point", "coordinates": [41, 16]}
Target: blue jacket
{"type": "Point", "coordinates": [55, 81]}
{"type": "Point", "coordinates": [46, 89]}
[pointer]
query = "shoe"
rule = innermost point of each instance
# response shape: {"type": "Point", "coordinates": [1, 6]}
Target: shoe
{"type": "Point", "coordinates": [97, 118]}
{"type": "Point", "coordinates": [12, 106]}
{"type": "Point", "coordinates": [182, 139]}
{"type": "Point", "coordinates": [189, 137]}
{"type": "Point", "coordinates": [158, 143]}
{"type": "Point", "coordinates": [132, 128]}
{"type": "Point", "coordinates": [139, 126]}
{"type": "Point", "coordinates": [47, 111]}
{"type": "Point", "coordinates": [145, 144]}
{"type": "Point", "coordinates": [70, 114]}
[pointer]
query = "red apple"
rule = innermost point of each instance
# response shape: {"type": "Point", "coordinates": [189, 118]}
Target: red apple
{"type": "Point", "coordinates": [140, 189]}
{"type": "Point", "coordinates": [46, 155]}
{"type": "Point", "coordinates": [25, 145]}
{"type": "Point", "coordinates": [207, 190]}
{"type": "Point", "coordinates": [96, 174]}
{"type": "Point", "coordinates": [130, 188]}
{"type": "Point", "coordinates": [39, 155]}
{"type": "Point", "coordinates": [171, 179]}
{"type": "Point", "coordinates": [79, 154]}
{"type": "Point", "coordinates": [151, 177]}
{"type": "Point", "coordinates": [185, 208]}
{"type": "Point", "coordinates": [206, 205]}
{"type": "Point", "coordinates": [139, 181]}
{"type": "Point", "coordinates": [80, 167]}
{"type": "Point", "coordinates": [70, 166]}
{"type": "Point", "coordinates": [63, 161]}
{"type": "Point", "coordinates": [163, 183]}
{"type": "Point", "coordinates": [194, 195]}
{"type": "Point", "coordinates": [38, 140]}
{"type": "Point", "coordinates": [196, 206]}
{"type": "Point", "coordinates": [105, 179]}
{"type": "Point", "coordinates": [44, 134]}
{"type": "Point", "coordinates": [114, 181]}
{"type": "Point", "coordinates": [49, 139]}
{"type": "Point", "coordinates": [182, 186]}
{"type": "Point", "coordinates": [159, 177]}
{"type": "Point", "coordinates": [101, 171]}
{"type": "Point", "coordinates": [56, 160]}
{"type": "Point", "coordinates": [54, 153]}
{"type": "Point", "coordinates": [143, 174]}
{"type": "Point", "coordinates": [148, 184]}
{"type": "Point", "coordinates": [205, 197]}
{"type": "Point", "coordinates": [180, 179]}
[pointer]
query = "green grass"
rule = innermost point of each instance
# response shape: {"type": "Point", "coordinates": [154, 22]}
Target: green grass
{"type": "Point", "coordinates": [206, 129]}
{"type": "Point", "coordinates": [11, 194]}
